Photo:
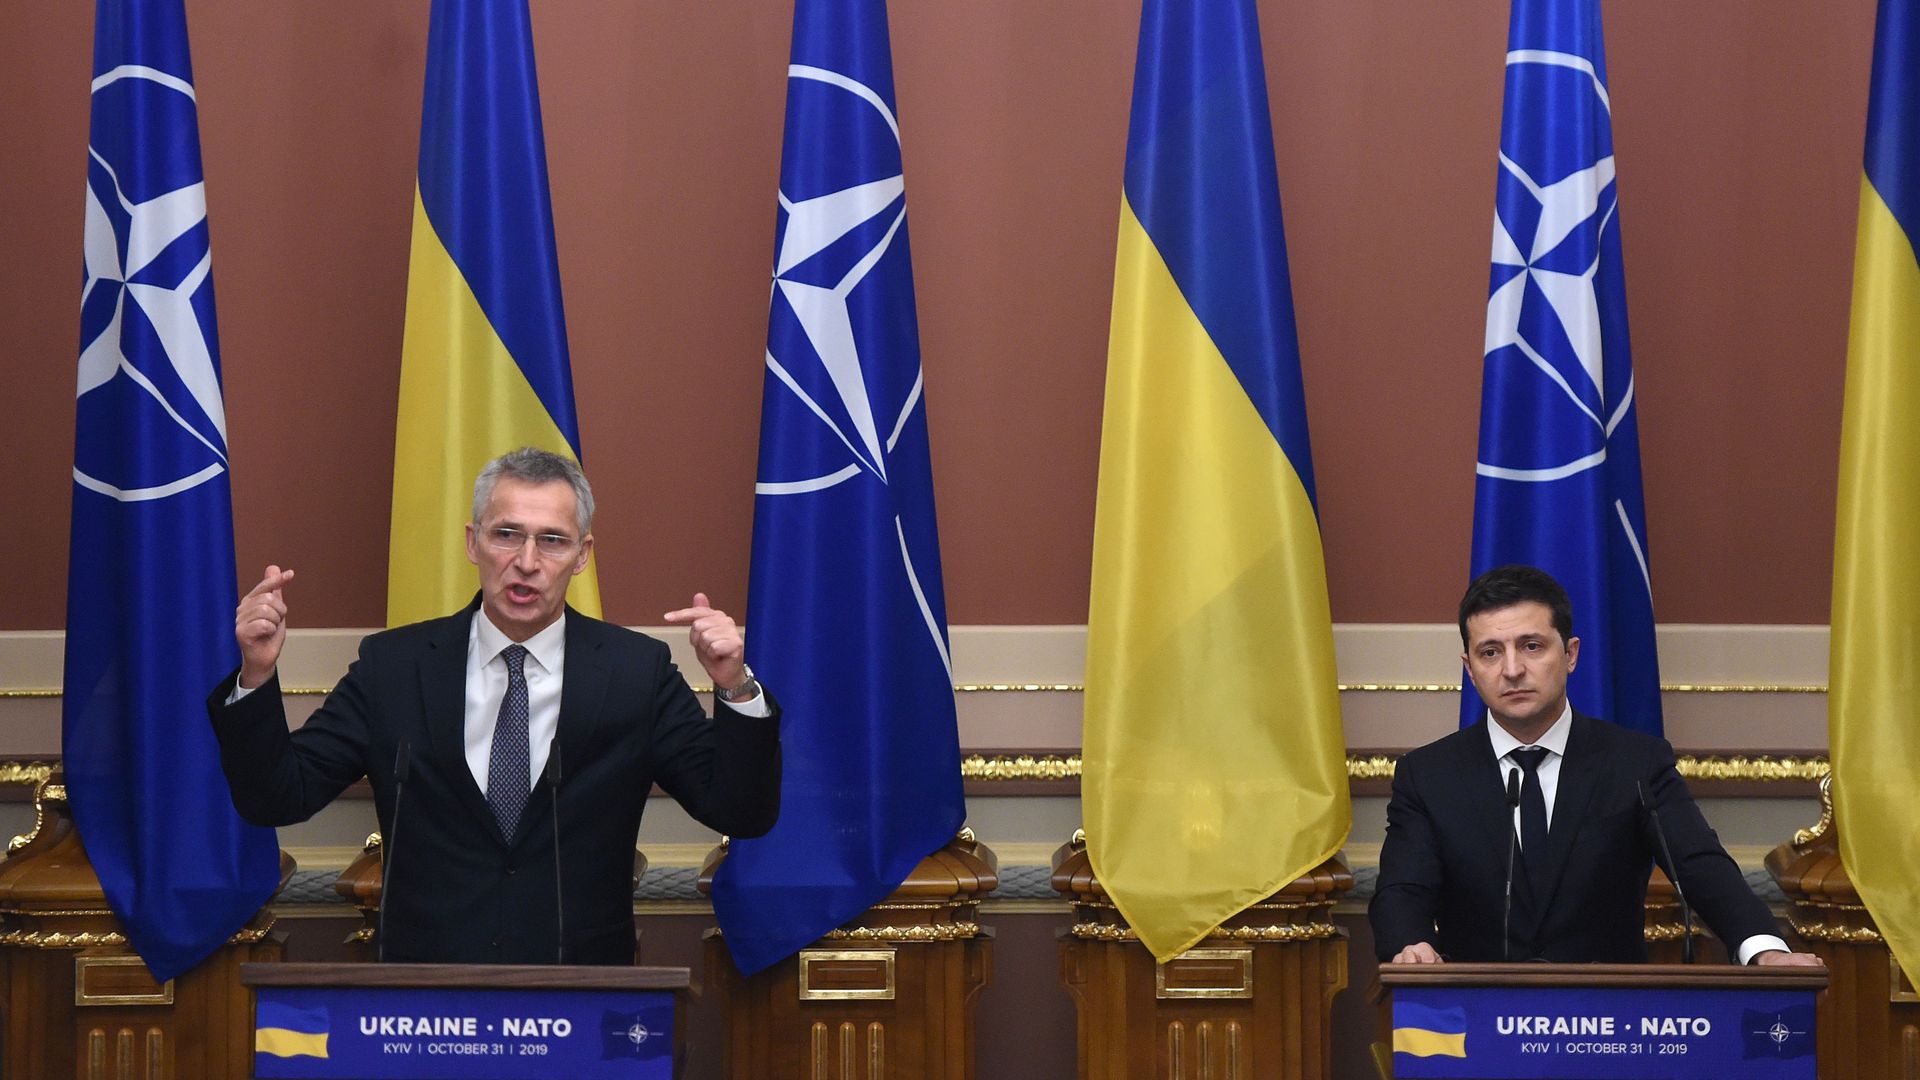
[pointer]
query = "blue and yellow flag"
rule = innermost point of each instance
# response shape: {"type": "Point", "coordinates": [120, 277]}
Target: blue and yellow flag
{"type": "Point", "coordinates": [1557, 480]}
{"type": "Point", "coordinates": [283, 1030]}
{"type": "Point", "coordinates": [484, 366]}
{"type": "Point", "coordinates": [1424, 1031]}
{"type": "Point", "coordinates": [151, 579]}
{"type": "Point", "coordinates": [1873, 706]}
{"type": "Point", "coordinates": [1214, 759]}
{"type": "Point", "coordinates": [847, 614]}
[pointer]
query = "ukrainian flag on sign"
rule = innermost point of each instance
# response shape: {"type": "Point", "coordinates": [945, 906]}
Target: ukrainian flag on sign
{"type": "Point", "coordinates": [284, 1031]}
{"type": "Point", "coordinates": [484, 365]}
{"type": "Point", "coordinates": [1424, 1031]}
{"type": "Point", "coordinates": [1873, 722]}
{"type": "Point", "coordinates": [1214, 768]}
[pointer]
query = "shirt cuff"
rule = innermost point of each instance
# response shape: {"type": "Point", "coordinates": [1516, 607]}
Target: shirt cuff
{"type": "Point", "coordinates": [755, 706]}
{"type": "Point", "coordinates": [239, 691]}
{"type": "Point", "coordinates": [1760, 943]}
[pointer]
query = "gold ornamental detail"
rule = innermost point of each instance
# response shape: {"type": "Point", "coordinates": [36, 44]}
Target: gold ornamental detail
{"type": "Point", "coordinates": [1803, 837]}
{"type": "Point", "coordinates": [1299, 932]}
{"type": "Point", "coordinates": [955, 931]}
{"type": "Point", "coordinates": [57, 939]}
{"type": "Point", "coordinates": [70, 912]}
{"type": "Point", "coordinates": [1671, 931]}
{"type": "Point", "coordinates": [1843, 935]}
{"type": "Point", "coordinates": [1761, 768]}
{"type": "Point", "coordinates": [25, 772]}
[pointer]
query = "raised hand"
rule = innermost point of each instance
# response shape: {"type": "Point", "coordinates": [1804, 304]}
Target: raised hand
{"type": "Point", "coordinates": [716, 641]}
{"type": "Point", "coordinates": [260, 626]}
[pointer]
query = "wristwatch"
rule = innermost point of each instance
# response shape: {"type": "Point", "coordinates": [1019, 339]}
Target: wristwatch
{"type": "Point", "coordinates": [744, 692]}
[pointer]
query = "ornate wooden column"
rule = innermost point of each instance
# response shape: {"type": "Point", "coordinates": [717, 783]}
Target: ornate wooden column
{"type": "Point", "coordinates": [79, 1003]}
{"type": "Point", "coordinates": [889, 996]}
{"type": "Point", "coordinates": [1870, 1015]}
{"type": "Point", "coordinates": [1253, 999]}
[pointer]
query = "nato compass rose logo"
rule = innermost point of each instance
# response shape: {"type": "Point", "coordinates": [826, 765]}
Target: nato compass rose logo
{"type": "Point", "coordinates": [842, 310]}
{"type": "Point", "coordinates": [1556, 200]}
{"type": "Point", "coordinates": [152, 422]}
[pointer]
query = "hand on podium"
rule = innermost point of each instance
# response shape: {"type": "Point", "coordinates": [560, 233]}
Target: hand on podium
{"type": "Point", "coordinates": [1776, 958]}
{"type": "Point", "coordinates": [1417, 953]}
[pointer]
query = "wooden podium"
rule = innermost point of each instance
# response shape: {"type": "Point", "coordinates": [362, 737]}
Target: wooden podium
{"type": "Point", "coordinates": [889, 996]}
{"type": "Point", "coordinates": [1254, 999]}
{"type": "Point", "coordinates": [79, 1003]}
{"type": "Point", "coordinates": [1622, 1021]}
{"type": "Point", "coordinates": [1870, 1018]}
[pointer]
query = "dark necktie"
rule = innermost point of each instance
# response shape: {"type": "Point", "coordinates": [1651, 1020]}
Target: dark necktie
{"type": "Point", "coordinates": [511, 759]}
{"type": "Point", "coordinates": [1533, 812]}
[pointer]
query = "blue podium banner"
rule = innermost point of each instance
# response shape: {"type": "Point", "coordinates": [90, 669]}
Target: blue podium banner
{"type": "Point", "coordinates": [395, 1033]}
{"type": "Point", "coordinates": [1612, 1033]}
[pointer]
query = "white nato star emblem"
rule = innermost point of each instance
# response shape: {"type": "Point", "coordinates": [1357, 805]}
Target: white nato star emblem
{"type": "Point", "coordinates": [144, 230]}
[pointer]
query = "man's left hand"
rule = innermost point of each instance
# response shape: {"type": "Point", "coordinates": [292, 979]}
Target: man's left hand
{"type": "Point", "coordinates": [716, 641]}
{"type": "Point", "coordinates": [1776, 958]}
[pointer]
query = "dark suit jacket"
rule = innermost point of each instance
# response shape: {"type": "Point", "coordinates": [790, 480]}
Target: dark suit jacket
{"type": "Point", "coordinates": [1443, 866]}
{"type": "Point", "coordinates": [456, 890]}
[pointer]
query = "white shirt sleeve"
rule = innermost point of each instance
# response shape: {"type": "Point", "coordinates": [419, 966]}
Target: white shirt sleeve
{"type": "Point", "coordinates": [1760, 943]}
{"type": "Point", "coordinates": [755, 706]}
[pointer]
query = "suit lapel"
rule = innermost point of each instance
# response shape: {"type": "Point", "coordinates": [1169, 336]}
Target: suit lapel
{"type": "Point", "coordinates": [1487, 792]}
{"type": "Point", "coordinates": [1579, 779]}
{"type": "Point", "coordinates": [443, 687]}
{"type": "Point", "coordinates": [583, 690]}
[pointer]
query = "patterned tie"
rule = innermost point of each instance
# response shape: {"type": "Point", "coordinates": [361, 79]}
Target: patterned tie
{"type": "Point", "coordinates": [1533, 813]}
{"type": "Point", "coordinates": [511, 760]}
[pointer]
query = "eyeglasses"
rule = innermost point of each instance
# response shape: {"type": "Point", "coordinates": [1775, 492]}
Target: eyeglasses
{"type": "Point", "coordinates": [549, 545]}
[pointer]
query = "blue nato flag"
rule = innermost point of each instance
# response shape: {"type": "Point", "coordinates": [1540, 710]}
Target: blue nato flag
{"type": "Point", "coordinates": [846, 616]}
{"type": "Point", "coordinates": [1558, 474]}
{"type": "Point", "coordinates": [150, 592]}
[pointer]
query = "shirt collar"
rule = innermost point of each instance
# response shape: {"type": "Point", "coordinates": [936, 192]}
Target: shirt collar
{"type": "Point", "coordinates": [548, 647]}
{"type": "Point", "coordinates": [1555, 738]}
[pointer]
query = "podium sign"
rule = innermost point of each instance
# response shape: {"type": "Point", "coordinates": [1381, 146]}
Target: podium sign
{"type": "Point", "coordinates": [1605, 1022]}
{"type": "Point", "coordinates": [399, 1022]}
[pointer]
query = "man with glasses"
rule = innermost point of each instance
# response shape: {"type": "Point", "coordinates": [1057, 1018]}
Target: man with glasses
{"type": "Point", "coordinates": [481, 726]}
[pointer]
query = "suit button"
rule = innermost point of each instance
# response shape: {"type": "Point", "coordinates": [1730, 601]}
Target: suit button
{"type": "Point", "coordinates": [496, 943]}
{"type": "Point", "coordinates": [509, 871]}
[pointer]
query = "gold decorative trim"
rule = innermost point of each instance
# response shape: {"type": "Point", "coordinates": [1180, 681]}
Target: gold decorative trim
{"type": "Point", "coordinates": [161, 994]}
{"type": "Point", "coordinates": [38, 913]}
{"type": "Point", "coordinates": [25, 772]}
{"type": "Point", "coordinates": [1275, 905]}
{"type": "Point", "coordinates": [1742, 767]}
{"type": "Point", "coordinates": [58, 939]}
{"type": "Point", "coordinates": [1803, 837]}
{"type": "Point", "coordinates": [1076, 688]}
{"type": "Point", "coordinates": [1672, 931]}
{"type": "Point", "coordinates": [1242, 956]}
{"type": "Point", "coordinates": [809, 957]}
{"type": "Point", "coordinates": [1296, 932]}
{"type": "Point", "coordinates": [364, 934]}
{"type": "Point", "coordinates": [954, 931]}
{"type": "Point", "coordinates": [1020, 767]}
{"type": "Point", "coordinates": [252, 935]}
{"type": "Point", "coordinates": [904, 905]}
{"type": "Point", "coordinates": [1844, 935]}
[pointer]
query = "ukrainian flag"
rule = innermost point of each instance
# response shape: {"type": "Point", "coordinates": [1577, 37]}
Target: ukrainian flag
{"type": "Point", "coordinates": [1214, 764]}
{"type": "Point", "coordinates": [484, 365]}
{"type": "Point", "coordinates": [1873, 708]}
{"type": "Point", "coordinates": [285, 1031]}
{"type": "Point", "coordinates": [1424, 1031]}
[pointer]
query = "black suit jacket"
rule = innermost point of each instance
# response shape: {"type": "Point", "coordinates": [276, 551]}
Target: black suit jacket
{"type": "Point", "coordinates": [457, 890]}
{"type": "Point", "coordinates": [1443, 866]}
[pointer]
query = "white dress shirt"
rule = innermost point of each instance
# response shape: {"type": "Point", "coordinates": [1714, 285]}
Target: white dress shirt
{"type": "Point", "coordinates": [487, 688]}
{"type": "Point", "coordinates": [1554, 741]}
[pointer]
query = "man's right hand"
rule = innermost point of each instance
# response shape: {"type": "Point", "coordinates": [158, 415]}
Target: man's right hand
{"type": "Point", "coordinates": [1417, 953]}
{"type": "Point", "coordinates": [260, 626]}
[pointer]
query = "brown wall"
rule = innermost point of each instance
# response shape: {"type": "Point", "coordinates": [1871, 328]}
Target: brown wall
{"type": "Point", "coordinates": [1738, 127]}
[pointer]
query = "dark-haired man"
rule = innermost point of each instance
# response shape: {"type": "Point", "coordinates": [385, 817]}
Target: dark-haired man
{"type": "Point", "coordinates": [470, 711]}
{"type": "Point", "coordinates": [1586, 845]}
